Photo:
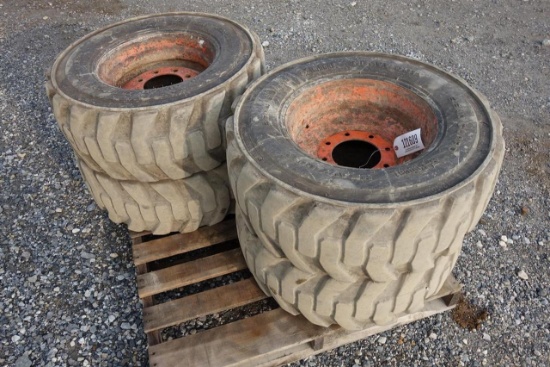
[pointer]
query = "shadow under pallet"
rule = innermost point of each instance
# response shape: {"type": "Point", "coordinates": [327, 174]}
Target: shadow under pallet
{"type": "Point", "coordinates": [268, 338]}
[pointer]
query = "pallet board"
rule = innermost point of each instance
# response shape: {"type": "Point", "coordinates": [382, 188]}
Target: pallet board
{"type": "Point", "coordinates": [271, 338]}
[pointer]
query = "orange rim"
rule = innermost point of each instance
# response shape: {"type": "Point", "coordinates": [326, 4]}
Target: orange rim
{"type": "Point", "coordinates": [160, 77]}
{"type": "Point", "coordinates": [353, 122]}
{"type": "Point", "coordinates": [157, 61]}
{"type": "Point", "coordinates": [369, 150]}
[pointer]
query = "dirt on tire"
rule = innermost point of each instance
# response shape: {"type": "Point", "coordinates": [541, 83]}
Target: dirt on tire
{"type": "Point", "coordinates": [305, 218]}
{"type": "Point", "coordinates": [162, 207]}
{"type": "Point", "coordinates": [155, 134]}
{"type": "Point", "coordinates": [322, 299]}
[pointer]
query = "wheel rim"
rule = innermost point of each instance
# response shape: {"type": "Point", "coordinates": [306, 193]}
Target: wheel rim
{"type": "Point", "coordinates": [357, 149]}
{"type": "Point", "coordinates": [160, 77]}
{"type": "Point", "coordinates": [353, 122]}
{"type": "Point", "coordinates": [156, 61]}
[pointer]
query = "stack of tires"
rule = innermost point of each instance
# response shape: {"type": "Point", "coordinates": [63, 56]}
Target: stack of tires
{"type": "Point", "coordinates": [334, 222]}
{"type": "Point", "coordinates": [331, 222]}
{"type": "Point", "coordinates": [143, 102]}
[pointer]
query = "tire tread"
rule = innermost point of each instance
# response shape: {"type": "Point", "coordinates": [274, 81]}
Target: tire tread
{"type": "Point", "coordinates": [156, 143]}
{"type": "Point", "coordinates": [165, 206]}
{"type": "Point", "coordinates": [380, 244]}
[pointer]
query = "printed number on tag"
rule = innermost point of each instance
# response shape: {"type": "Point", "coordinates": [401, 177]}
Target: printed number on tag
{"type": "Point", "coordinates": [408, 143]}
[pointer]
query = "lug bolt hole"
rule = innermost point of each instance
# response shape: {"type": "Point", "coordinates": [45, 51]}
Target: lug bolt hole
{"type": "Point", "coordinates": [346, 134]}
{"type": "Point", "coordinates": [327, 143]}
{"type": "Point", "coordinates": [387, 149]}
{"type": "Point", "coordinates": [324, 159]}
{"type": "Point", "coordinates": [386, 165]}
{"type": "Point", "coordinates": [371, 136]}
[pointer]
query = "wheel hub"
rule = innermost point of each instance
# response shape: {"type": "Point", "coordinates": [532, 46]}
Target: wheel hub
{"type": "Point", "coordinates": [353, 122]}
{"type": "Point", "coordinates": [358, 149]}
{"type": "Point", "coordinates": [160, 77]}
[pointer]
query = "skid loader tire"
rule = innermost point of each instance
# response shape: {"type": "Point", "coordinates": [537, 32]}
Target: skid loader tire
{"type": "Point", "coordinates": [165, 206]}
{"type": "Point", "coordinates": [356, 224]}
{"type": "Point", "coordinates": [325, 301]}
{"type": "Point", "coordinates": [151, 135]}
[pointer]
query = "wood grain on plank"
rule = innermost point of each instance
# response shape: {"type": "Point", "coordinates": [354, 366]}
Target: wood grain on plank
{"type": "Point", "coordinates": [195, 271]}
{"type": "Point", "coordinates": [246, 342]}
{"type": "Point", "coordinates": [152, 338]}
{"type": "Point", "coordinates": [266, 340]}
{"type": "Point", "coordinates": [134, 235]}
{"type": "Point", "coordinates": [184, 242]}
{"type": "Point", "coordinates": [338, 337]}
{"type": "Point", "coordinates": [272, 338]}
{"type": "Point", "coordinates": [201, 304]}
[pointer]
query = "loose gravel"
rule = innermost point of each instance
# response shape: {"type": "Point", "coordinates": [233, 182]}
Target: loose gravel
{"type": "Point", "coordinates": [68, 295]}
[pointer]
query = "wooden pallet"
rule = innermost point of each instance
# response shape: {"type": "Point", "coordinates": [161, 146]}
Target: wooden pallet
{"type": "Point", "coordinates": [270, 338]}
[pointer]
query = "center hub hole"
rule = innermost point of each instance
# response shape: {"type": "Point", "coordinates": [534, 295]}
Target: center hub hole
{"type": "Point", "coordinates": [162, 81]}
{"type": "Point", "coordinates": [356, 154]}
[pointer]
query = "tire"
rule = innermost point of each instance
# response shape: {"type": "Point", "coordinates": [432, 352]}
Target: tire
{"type": "Point", "coordinates": [356, 224]}
{"type": "Point", "coordinates": [162, 207]}
{"type": "Point", "coordinates": [325, 301]}
{"type": "Point", "coordinates": [155, 134]}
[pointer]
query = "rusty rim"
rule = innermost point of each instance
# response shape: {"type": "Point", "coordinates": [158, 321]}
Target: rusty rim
{"type": "Point", "coordinates": [160, 77]}
{"type": "Point", "coordinates": [156, 61]}
{"type": "Point", "coordinates": [359, 149]}
{"type": "Point", "coordinates": [353, 122]}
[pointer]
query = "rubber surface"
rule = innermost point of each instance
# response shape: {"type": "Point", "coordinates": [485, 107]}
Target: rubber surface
{"type": "Point", "coordinates": [325, 301]}
{"type": "Point", "coordinates": [465, 136]}
{"type": "Point", "coordinates": [158, 134]}
{"type": "Point", "coordinates": [358, 240]}
{"type": "Point", "coordinates": [162, 207]}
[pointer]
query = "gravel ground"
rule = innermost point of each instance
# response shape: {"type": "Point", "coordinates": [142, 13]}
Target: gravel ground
{"type": "Point", "coordinates": [68, 295]}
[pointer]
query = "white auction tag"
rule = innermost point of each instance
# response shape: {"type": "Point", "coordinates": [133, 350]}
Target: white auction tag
{"type": "Point", "coordinates": [408, 143]}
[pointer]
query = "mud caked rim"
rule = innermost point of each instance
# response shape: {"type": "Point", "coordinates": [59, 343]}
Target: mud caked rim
{"type": "Point", "coordinates": [495, 149]}
{"type": "Point", "coordinates": [256, 53]}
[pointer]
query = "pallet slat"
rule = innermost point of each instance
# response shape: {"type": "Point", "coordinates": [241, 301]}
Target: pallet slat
{"type": "Point", "coordinates": [152, 338]}
{"type": "Point", "coordinates": [231, 344]}
{"type": "Point", "coordinates": [201, 304]}
{"type": "Point", "coordinates": [184, 242]}
{"type": "Point", "coordinates": [267, 339]}
{"type": "Point", "coordinates": [138, 235]}
{"type": "Point", "coordinates": [180, 275]}
{"type": "Point", "coordinates": [338, 337]}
